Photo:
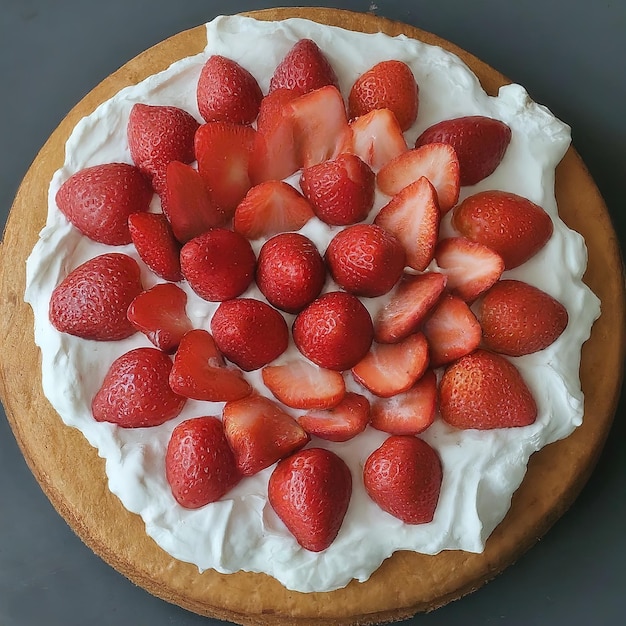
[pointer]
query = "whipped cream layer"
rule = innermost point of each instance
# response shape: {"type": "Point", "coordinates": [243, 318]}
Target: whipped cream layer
{"type": "Point", "coordinates": [481, 469]}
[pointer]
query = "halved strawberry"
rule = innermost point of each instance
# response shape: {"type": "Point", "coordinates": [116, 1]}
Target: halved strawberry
{"type": "Point", "coordinates": [341, 422]}
{"type": "Point", "coordinates": [409, 304]}
{"type": "Point", "coordinates": [436, 161]}
{"type": "Point", "coordinates": [156, 245]}
{"type": "Point", "coordinates": [223, 152]}
{"type": "Point", "coordinates": [302, 385]}
{"type": "Point", "coordinates": [159, 313]}
{"type": "Point", "coordinates": [408, 413]}
{"type": "Point", "coordinates": [199, 371]}
{"type": "Point", "coordinates": [260, 433]}
{"type": "Point", "coordinates": [452, 330]}
{"type": "Point", "coordinates": [271, 111]}
{"type": "Point", "coordinates": [388, 85]}
{"type": "Point", "coordinates": [389, 369]}
{"type": "Point", "coordinates": [269, 208]}
{"type": "Point", "coordinates": [471, 267]}
{"type": "Point", "coordinates": [413, 216]}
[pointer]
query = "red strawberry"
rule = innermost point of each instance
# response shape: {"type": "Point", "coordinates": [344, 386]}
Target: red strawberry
{"type": "Point", "coordinates": [513, 226]}
{"type": "Point", "coordinates": [269, 208]}
{"type": "Point", "coordinates": [135, 392]}
{"type": "Point", "coordinates": [341, 191]}
{"type": "Point", "coordinates": [480, 143]}
{"type": "Point", "coordinates": [310, 492]}
{"type": "Point", "coordinates": [158, 135]}
{"type": "Point", "coordinates": [188, 204]}
{"type": "Point", "coordinates": [249, 332]}
{"type": "Point", "coordinates": [409, 304]}
{"type": "Point", "coordinates": [260, 433]}
{"type": "Point", "coordinates": [159, 313]}
{"type": "Point", "coordinates": [408, 413]}
{"type": "Point", "coordinates": [271, 112]}
{"type": "Point", "coordinates": [483, 390]}
{"type": "Point", "coordinates": [227, 92]}
{"type": "Point", "coordinates": [335, 331]}
{"type": "Point", "coordinates": [365, 260]}
{"type": "Point", "coordinates": [290, 271]}
{"type": "Point", "coordinates": [389, 369]}
{"type": "Point", "coordinates": [452, 330]}
{"type": "Point", "coordinates": [218, 264]}
{"type": "Point", "coordinates": [199, 371]}
{"type": "Point", "coordinates": [404, 478]}
{"type": "Point", "coordinates": [340, 423]}
{"type": "Point", "coordinates": [304, 68]}
{"type": "Point", "coordinates": [99, 199]}
{"type": "Point", "coordinates": [156, 245]}
{"type": "Point", "coordinates": [436, 161]}
{"type": "Point", "coordinates": [375, 138]}
{"type": "Point", "coordinates": [413, 216]}
{"type": "Point", "coordinates": [92, 300]}
{"type": "Point", "coordinates": [223, 152]}
{"type": "Point", "coordinates": [517, 318]}
{"type": "Point", "coordinates": [199, 464]}
{"type": "Point", "coordinates": [303, 385]}
{"type": "Point", "coordinates": [470, 267]}
{"type": "Point", "coordinates": [388, 85]}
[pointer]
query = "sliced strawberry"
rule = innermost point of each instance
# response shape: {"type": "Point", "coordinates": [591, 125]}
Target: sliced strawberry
{"type": "Point", "coordinates": [269, 208]}
{"type": "Point", "coordinates": [227, 92]}
{"type": "Point", "coordinates": [340, 423]}
{"type": "Point", "coordinates": [375, 138]}
{"type": "Point", "coordinates": [135, 392]}
{"type": "Point", "coordinates": [271, 112]}
{"type": "Point", "coordinates": [249, 332]}
{"type": "Point", "coordinates": [156, 245]}
{"type": "Point", "coordinates": [365, 260]}
{"type": "Point", "coordinates": [436, 161]}
{"type": "Point", "coordinates": [260, 433]}
{"type": "Point", "coordinates": [480, 143]}
{"type": "Point", "coordinates": [92, 300]}
{"type": "Point", "coordinates": [404, 478]}
{"type": "Point", "coordinates": [199, 371]}
{"type": "Point", "coordinates": [471, 268]}
{"type": "Point", "coordinates": [483, 390]}
{"type": "Point", "coordinates": [389, 369]}
{"type": "Point", "coordinates": [218, 265]}
{"type": "Point", "coordinates": [341, 190]}
{"type": "Point", "coordinates": [413, 216]}
{"type": "Point", "coordinates": [388, 85]}
{"type": "Point", "coordinates": [303, 385]}
{"type": "Point", "coordinates": [513, 226]}
{"type": "Point", "coordinates": [199, 464]}
{"type": "Point", "coordinates": [223, 152]}
{"type": "Point", "coordinates": [304, 68]}
{"type": "Point", "coordinates": [517, 318]}
{"type": "Point", "coordinates": [98, 200]}
{"type": "Point", "coordinates": [159, 313]}
{"type": "Point", "coordinates": [452, 330]}
{"type": "Point", "coordinates": [188, 204]}
{"type": "Point", "coordinates": [410, 302]}
{"type": "Point", "coordinates": [408, 413]}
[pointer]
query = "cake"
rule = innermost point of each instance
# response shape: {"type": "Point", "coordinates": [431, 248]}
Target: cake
{"type": "Point", "coordinates": [170, 581]}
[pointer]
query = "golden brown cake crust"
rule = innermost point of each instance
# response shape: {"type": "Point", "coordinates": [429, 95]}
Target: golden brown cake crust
{"type": "Point", "coordinates": [54, 451]}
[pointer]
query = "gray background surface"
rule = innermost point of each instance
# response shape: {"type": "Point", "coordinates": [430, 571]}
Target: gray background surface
{"type": "Point", "coordinates": [570, 55]}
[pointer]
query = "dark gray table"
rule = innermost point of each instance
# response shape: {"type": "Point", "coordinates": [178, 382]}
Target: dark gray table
{"type": "Point", "coordinates": [570, 55]}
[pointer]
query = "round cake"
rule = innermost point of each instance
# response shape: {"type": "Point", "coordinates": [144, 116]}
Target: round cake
{"type": "Point", "coordinates": [269, 578]}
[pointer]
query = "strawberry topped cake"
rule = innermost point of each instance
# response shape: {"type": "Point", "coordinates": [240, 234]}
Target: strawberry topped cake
{"type": "Point", "coordinates": [309, 295]}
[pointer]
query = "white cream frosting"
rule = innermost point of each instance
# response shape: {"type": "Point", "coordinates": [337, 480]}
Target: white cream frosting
{"type": "Point", "coordinates": [481, 469]}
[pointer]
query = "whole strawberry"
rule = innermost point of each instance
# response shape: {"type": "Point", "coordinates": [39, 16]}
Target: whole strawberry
{"type": "Point", "coordinates": [135, 392]}
{"type": "Point", "coordinates": [98, 200]}
{"type": "Point", "coordinates": [404, 478]}
{"type": "Point", "coordinates": [310, 492]}
{"type": "Point", "coordinates": [199, 464]}
{"type": "Point", "coordinates": [92, 301]}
